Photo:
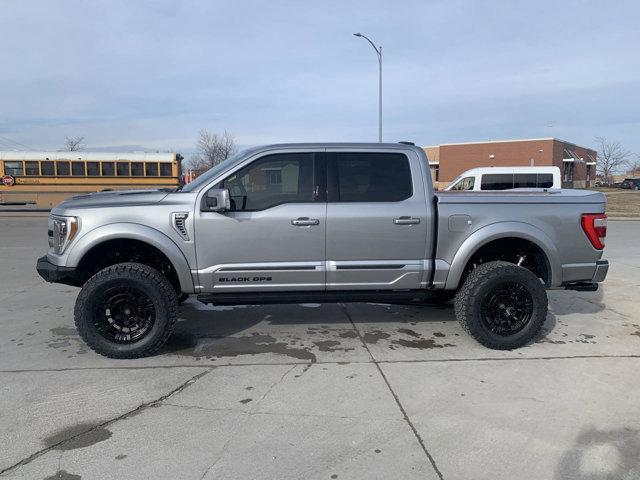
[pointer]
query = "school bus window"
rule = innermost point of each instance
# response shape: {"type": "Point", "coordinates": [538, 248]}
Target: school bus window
{"type": "Point", "coordinates": [77, 169]}
{"type": "Point", "coordinates": [165, 169]}
{"type": "Point", "coordinates": [93, 169]}
{"type": "Point", "coordinates": [122, 169]}
{"type": "Point", "coordinates": [62, 168]}
{"type": "Point", "coordinates": [47, 169]}
{"type": "Point", "coordinates": [31, 169]}
{"type": "Point", "coordinates": [137, 169]}
{"type": "Point", "coordinates": [13, 168]}
{"type": "Point", "coordinates": [107, 169]}
{"type": "Point", "coordinates": [151, 169]}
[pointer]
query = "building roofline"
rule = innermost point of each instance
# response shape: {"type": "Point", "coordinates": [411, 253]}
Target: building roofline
{"type": "Point", "coordinates": [506, 141]}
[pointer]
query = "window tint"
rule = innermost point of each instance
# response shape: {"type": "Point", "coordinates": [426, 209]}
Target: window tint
{"type": "Point", "coordinates": [271, 181]}
{"type": "Point", "coordinates": [496, 181]}
{"type": "Point", "coordinates": [77, 169]}
{"type": "Point", "coordinates": [31, 169]}
{"type": "Point", "coordinates": [93, 169]}
{"type": "Point", "coordinates": [63, 169]}
{"type": "Point", "coordinates": [151, 169]}
{"type": "Point", "coordinates": [525, 180]}
{"type": "Point", "coordinates": [137, 169]}
{"type": "Point", "coordinates": [123, 169]}
{"type": "Point", "coordinates": [165, 169]}
{"type": "Point", "coordinates": [108, 169]}
{"type": "Point", "coordinates": [47, 168]}
{"type": "Point", "coordinates": [545, 180]}
{"type": "Point", "coordinates": [370, 177]}
{"type": "Point", "coordinates": [13, 168]}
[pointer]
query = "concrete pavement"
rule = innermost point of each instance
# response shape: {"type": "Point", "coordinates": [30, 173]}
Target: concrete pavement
{"type": "Point", "coordinates": [310, 391]}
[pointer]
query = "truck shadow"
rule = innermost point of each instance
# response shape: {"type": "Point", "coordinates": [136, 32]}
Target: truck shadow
{"type": "Point", "coordinates": [198, 323]}
{"type": "Point", "coordinates": [607, 454]}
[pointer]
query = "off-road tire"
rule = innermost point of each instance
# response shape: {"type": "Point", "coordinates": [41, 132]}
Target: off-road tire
{"type": "Point", "coordinates": [476, 288]}
{"type": "Point", "coordinates": [144, 278]}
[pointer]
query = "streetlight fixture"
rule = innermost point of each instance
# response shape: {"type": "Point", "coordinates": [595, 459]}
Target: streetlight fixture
{"type": "Point", "coordinates": [379, 53]}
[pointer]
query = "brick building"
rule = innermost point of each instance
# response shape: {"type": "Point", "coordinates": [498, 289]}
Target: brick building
{"type": "Point", "coordinates": [577, 164]}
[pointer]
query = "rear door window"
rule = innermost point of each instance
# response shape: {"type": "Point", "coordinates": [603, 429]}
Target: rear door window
{"type": "Point", "coordinates": [369, 177]}
{"type": "Point", "coordinates": [496, 181]}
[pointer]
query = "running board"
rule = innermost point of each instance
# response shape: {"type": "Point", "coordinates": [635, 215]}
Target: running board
{"type": "Point", "coordinates": [261, 298]}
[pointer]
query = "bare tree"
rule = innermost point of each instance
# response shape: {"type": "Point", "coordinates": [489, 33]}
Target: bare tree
{"type": "Point", "coordinates": [73, 144]}
{"type": "Point", "coordinates": [634, 167]}
{"type": "Point", "coordinates": [212, 149]}
{"type": "Point", "coordinates": [612, 157]}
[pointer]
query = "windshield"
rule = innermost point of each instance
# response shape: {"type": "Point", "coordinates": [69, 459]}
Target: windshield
{"type": "Point", "coordinates": [213, 172]}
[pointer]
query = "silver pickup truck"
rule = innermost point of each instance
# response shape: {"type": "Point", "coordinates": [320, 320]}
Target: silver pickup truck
{"type": "Point", "coordinates": [321, 223]}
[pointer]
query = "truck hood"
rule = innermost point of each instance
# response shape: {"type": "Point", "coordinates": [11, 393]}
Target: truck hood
{"type": "Point", "coordinates": [113, 198]}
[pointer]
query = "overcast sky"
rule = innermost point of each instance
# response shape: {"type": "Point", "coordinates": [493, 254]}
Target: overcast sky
{"type": "Point", "coordinates": [142, 74]}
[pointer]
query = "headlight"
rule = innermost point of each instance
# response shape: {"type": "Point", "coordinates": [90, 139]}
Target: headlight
{"type": "Point", "coordinates": [62, 231]}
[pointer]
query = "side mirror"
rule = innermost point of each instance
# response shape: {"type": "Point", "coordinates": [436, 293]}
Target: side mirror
{"type": "Point", "coordinates": [216, 200]}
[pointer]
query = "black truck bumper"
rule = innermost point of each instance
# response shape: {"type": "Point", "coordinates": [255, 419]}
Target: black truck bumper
{"type": "Point", "coordinates": [55, 273]}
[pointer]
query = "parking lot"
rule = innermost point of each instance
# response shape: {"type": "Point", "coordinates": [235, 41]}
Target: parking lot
{"type": "Point", "coordinates": [311, 391]}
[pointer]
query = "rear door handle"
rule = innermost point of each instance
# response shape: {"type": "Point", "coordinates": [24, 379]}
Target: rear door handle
{"type": "Point", "coordinates": [305, 222]}
{"type": "Point", "coordinates": [406, 220]}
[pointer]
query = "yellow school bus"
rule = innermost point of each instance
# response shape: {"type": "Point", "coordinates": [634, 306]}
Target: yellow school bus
{"type": "Point", "coordinates": [44, 179]}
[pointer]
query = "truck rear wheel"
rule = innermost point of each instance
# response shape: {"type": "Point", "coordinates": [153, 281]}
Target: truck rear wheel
{"type": "Point", "coordinates": [501, 305]}
{"type": "Point", "coordinates": [127, 310]}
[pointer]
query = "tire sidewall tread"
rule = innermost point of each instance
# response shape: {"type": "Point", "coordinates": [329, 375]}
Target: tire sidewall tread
{"type": "Point", "coordinates": [149, 280]}
{"type": "Point", "coordinates": [478, 284]}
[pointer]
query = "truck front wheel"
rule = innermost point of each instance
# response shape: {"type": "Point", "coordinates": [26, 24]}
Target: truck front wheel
{"type": "Point", "coordinates": [127, 310]}
{"type": "Point", "coordinates": [501, 305]}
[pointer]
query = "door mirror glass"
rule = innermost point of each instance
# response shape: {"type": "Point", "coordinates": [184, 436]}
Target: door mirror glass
{"type": "Point", "coordinates": [216, 200]}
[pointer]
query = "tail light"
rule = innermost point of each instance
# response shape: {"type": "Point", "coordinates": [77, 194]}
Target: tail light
{"type": "Point", "coordinates": [595, 227]}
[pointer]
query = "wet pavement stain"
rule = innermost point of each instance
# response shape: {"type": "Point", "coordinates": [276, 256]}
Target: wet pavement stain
{"type": "Point", "coordinates": [64, 331]}
{"type": "Point", "coordinates": [254, 344]}
{"type": "Point", "coordinates": [423, 343]}
{"type": "Point", "coordinates": [66, 337]}
{"type": "Point", "coordinates": [331, 346]}
{"type": "Point", "coordinates": [348, 334]}
{"type": "Point", "coordinates": [375, 336]}
{"type": "Point", "coordinates": [77, 436]}
{"type": "Point", "coordinates": [63, 475]}
{"type": "Point", "coordinates": [407, 331]}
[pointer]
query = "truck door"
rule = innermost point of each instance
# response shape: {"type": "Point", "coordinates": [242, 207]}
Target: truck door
{"type": "Point", "coordinates": [376, 220]}
{"type": "Point", "coordinates": [274, 236]}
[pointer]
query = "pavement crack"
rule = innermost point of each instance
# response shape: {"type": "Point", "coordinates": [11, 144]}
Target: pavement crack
{"type": "Point", "coordinates": [247, 415]}
{"type": "Point", "coordinates": [395, 396]}
{"type": "Point", "coordinates": [111, 421]}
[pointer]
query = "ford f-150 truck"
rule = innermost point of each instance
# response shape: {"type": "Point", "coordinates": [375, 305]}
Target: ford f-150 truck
{"type": "Point", "coordinates": [321, 223]}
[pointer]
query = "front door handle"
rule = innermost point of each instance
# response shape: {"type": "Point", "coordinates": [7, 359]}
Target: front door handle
{"type": "Point", "coordinates": [304, 222]}
{"type": "Point", "coordinates": [406, 220]}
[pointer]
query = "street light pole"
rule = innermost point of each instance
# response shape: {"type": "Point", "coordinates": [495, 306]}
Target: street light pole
{"type": "Point", "coordinates": [379, 53]}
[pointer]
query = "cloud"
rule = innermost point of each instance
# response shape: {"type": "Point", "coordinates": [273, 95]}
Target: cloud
{"type": "Point", "coordinates": [153, 73]}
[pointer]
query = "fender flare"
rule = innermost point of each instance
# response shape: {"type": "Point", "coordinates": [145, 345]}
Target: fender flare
{"type": "Point", "coordinates": [496, 231]}
{"type": "Point", "coordinates": [134, 231]}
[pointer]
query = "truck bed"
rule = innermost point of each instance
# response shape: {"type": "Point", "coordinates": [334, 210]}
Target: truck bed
{"type": "Point", "coordinates": [467, 220]}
